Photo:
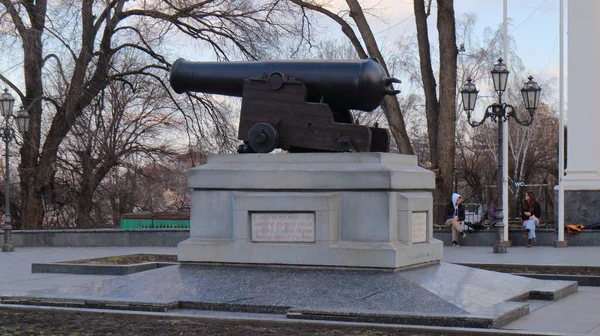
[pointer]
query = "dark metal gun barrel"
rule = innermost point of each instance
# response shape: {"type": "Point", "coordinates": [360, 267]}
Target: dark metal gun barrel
{"type": "Point", "coordinates": [354, 84]}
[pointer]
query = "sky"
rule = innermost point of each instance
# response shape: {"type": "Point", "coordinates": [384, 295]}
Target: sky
{"type": "Point", "coordinates": [534, 25]}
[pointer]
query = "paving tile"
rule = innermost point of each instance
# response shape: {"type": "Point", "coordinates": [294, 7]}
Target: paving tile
{"type": "Point", "coordinates": [578, 313]}
{"type": "Point", "coordinates": [539, 255]}
{"type": "Point", "coordinates": [595, 331]}
{"type": "Point", "coordinates": [537, 304]}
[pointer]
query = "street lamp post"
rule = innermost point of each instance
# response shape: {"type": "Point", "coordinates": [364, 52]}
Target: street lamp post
{"type": "Point", "coordinates": [8, 134]}
{"type": "Point", "coordinates": [500, 112]}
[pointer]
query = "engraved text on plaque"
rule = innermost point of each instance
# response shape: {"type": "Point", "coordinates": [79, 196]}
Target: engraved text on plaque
{"type": "Point", "coordinates": [283, 227]}
{"type": "Point", "coordinates": [419, 227]}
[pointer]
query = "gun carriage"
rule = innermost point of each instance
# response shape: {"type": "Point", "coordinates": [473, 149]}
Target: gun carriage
{"type": "Point", "coordinates": [299, 106]}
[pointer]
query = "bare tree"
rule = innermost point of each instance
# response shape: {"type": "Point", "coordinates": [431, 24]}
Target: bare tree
{"type": "Point", "coordinates": [475, 165]}
{"type": "Point", "coordinates": [78, 43]}
{"type": "Point", "coordinates": [123, 121]}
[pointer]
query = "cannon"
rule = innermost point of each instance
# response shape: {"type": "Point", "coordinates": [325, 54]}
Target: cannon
{"type": "Point", "coordinates": [299, 106]}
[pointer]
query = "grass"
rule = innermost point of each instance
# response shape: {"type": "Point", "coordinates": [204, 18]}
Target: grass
{"type": "Point", "coordinates": [126, 259]}
{"type": "Point", "coordinates": [18, 332]}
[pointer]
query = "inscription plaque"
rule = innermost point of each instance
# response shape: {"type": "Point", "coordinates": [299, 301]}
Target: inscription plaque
{"type": "Point", "coordinates": [419, 227]}
{"type": "Point", "coordinates": [283, 227]}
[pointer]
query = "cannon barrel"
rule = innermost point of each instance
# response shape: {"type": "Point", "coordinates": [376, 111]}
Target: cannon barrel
{"type": "Point", "coordinates": [353, 84]}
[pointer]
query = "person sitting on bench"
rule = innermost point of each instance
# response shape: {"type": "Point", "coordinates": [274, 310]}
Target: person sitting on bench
{"type": "Point", "coordinates": [454, 214]}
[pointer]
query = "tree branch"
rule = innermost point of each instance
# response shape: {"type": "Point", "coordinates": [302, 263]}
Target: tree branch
{"type": "Point", "coordinates": [12, 86]}
{"type": "Point", "coordinates": [346, 28]}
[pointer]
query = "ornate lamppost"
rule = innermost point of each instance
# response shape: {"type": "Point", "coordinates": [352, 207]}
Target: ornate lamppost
{"type": "Point", "coordinates": [500, 112]}
{"type": "Point", "coordinates": [8, 134]}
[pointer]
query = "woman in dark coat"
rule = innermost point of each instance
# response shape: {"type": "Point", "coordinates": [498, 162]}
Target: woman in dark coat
{"type": "Point", "coordinates": [530, 214]}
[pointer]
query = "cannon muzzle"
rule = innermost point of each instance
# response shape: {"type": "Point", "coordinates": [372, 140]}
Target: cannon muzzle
{"type": "Point", "coordinates": [353, 85]}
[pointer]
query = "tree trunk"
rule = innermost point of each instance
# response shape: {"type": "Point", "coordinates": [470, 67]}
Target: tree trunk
{"type": "Point", "coordinates": [116, 213]}
{"type": "Point", "coordinates": [432, 108]}
{"type": "Point", "coordinates": [447, 108]}
{"type": "Point", "coordinates": [85, 193]}
{"type": "Point", "coordinates": [38, 166]}
{"type": "Point", "coordinates": [441, 114]}
{"type": "Point", "coordinates": [33, 215]}
{"type": "Point", "coordinates": [84, 210]}
{"type": "Point", "coordinates": [31, 189]}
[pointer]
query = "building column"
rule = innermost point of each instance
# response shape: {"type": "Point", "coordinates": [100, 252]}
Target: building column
{"type": "Point", "coordinates": [582, 180]}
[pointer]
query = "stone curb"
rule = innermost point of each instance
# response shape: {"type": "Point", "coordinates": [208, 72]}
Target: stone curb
{"type": "Point", "coordinates": [581, 279]}
{"type": "Point", "coordinates": [89, 304]}
{"type": "Point", "coordinates": [439, 320]}
{"type": "Point", "coordinates": [545, 237]}
{"type": "Point", "coordinates": [72, 268]}
{"type": "Point", "coordinates": [279, 322]}
{"type": "Point", "coordinates": [510, 314]}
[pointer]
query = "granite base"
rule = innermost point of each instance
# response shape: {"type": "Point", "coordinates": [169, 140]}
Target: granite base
{"type": "Point", "coordinates": [437, 295]}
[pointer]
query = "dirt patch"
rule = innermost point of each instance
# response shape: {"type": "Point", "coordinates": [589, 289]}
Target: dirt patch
{"type": "Point", "coordinates": [19, 321]}
{"type": "Point", "coordinates": [128, 259]}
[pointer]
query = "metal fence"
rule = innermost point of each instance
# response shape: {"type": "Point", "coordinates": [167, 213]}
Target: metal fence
{"type": "Point", "coordinates": [475, 212]}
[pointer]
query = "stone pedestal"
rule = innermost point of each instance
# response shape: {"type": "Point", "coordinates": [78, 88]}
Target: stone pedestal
{"type": "Point", "coordinates": [500, 246]}
{"type": "Point", "coordinates": [319, 209]}
{"type": "Point", "coordinates": [561, 243]}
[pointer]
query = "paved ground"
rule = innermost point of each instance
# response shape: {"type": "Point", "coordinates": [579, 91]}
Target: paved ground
{"type": "Point", "coordinates": [15, 267]}
{"type": "Point", "coordinates": [578, 314]}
